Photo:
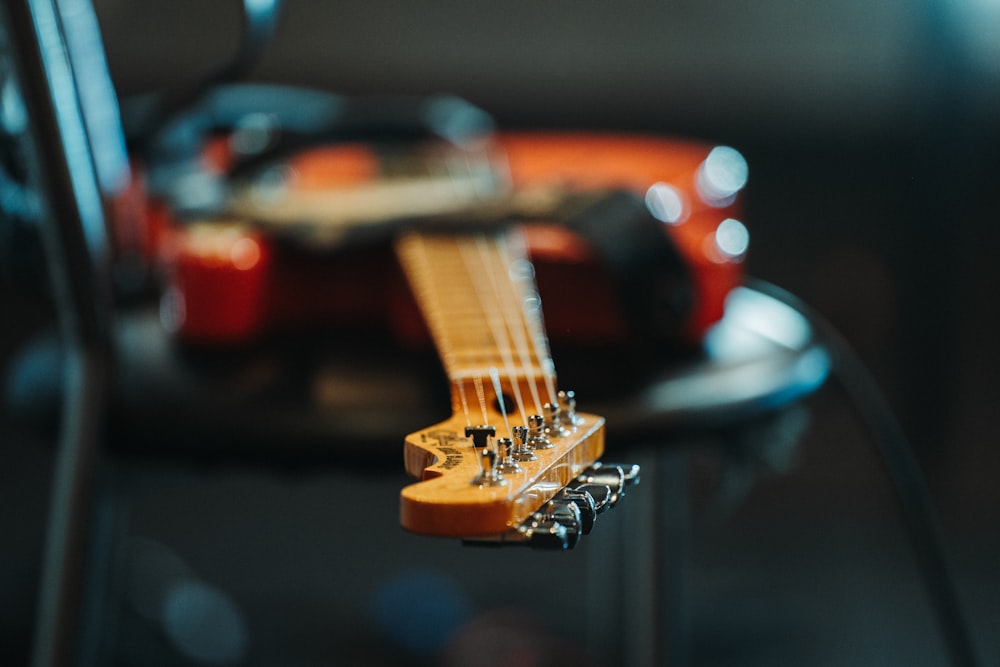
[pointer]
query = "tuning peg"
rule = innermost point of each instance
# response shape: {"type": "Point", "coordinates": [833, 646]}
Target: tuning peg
{"type": "Point", "coordinates": [547, 534]}
{"type": "Point", "coordinates": [522, 450]}
{"type": "Point", "coordinates": [629, 470]}
{"type": "Point", "coordinates": [567, 514]}
{"type": "Point", "coordinates": [612, 476]}
{"type": "Point", "coordinates": [507, 464]}
{"type": "Point", "coordinates": [604, 497]}
{"type": "Point", "coordinates": [490, 475]}
{"type": "Point", "coordinates": [537, 439]}
{"type": "Point", "coordinates": [553, 421]}
{"type": "Point", "coordinates": [585, 503]}
{"type": "Point", "coordinates": [567, 405]}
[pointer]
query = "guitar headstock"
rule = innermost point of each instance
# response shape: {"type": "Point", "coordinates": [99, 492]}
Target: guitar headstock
{"type": "Point", "coordinates": [509, 464]}
{"type": "Point", "coordinates": [479, 485]}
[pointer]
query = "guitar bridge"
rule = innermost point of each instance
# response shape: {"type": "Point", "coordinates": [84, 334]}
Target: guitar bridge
{"type": "Point", "coordinates": [572, 513]}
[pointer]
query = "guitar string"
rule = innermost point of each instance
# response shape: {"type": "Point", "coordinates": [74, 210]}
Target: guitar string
{"type": "Point", "coordinates": [518, 326]}
{"type": "Point", "coordinates": [530, 320]}
{"type": "Point", "coordinates": [465, 403]}
{"type": "Point", "coordinates": [481, 395]}
{"type": "Point", "coordinates": [495, 376]}
{"type": "Point", "coordinates": [501, 320]}
{"type": "Point", "coordinates": [532, 310]}
{"type": "Point", "coordinates": [521, 274]}
{"type": "Point", "coordinates": [488, 310]}
{"type": "Point", "coordinates": [490, 302]}
{"type": "Point", "coordinates": [497, 264]}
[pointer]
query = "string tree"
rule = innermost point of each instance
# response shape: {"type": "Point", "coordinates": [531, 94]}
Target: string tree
{"type": "Point", "coordinates": [480, 435]}
{"type": "Point", "coordinates": [489, 460]}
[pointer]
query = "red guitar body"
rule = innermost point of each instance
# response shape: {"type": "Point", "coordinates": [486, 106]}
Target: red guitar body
{"type": "Point", "coordinates": [228, 282]}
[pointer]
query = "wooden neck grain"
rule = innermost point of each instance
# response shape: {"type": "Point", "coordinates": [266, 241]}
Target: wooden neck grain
{"type": "Point", "coordinates": [478, 298]}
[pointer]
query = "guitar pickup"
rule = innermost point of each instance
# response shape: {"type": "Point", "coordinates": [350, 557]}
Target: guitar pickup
{"type": "Point", "coordinates": [570, 514]}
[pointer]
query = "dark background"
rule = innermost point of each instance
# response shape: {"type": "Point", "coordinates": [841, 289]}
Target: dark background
{"type": "Point", "coordinates": [872, 134]}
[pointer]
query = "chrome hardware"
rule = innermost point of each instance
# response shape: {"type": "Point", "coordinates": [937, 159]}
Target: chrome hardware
{"type": "Point", "coordinates": [547, 534]}
{"type": "Point", "coordinates": [567, 514]}
{"type": "Point", "coordinates": [539, 532]}
{"type": "Point", "coordinates": [553, 421]}
{"type": "Point", "coordinates": [611, 475]}
{"type": "Point", "coordinates": [604, 499]}
{"type": "Point", "coordinates": [480, 435]}
{"type": "Point", "coordinates": [507, 465]}
{"type": "Point", "coordinates": [629, 470]}
{"type": "Point", "coordinates": [567, 404]}
{"type": "Point", "coordinates": [537, 439]}
{"type": "Point", "coordinates": [572, 513]}
{"type": "Point", "coordinates": [490, 476]}
{"type": "Point", "coordinates": [488, 458]}
{"type": "Point", "coordinates": [585, 503]}
{"type": "Point", "coordinates": [522, 449]}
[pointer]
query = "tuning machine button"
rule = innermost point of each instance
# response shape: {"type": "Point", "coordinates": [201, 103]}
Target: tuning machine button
{"type": "Point", "coordinates": [544, 533]}
{"type": "Point", "coordinates": [604, 498]}
{"type": "Point", "coordinates": [630, 471]}
{"type": "Point", "coordinates": [567, 514]}
{"type": "Point", "coordinates": [611, 476]}
{"type": "Point", "coordinates": [585, 503]}
{"type": "Point", "coordinates": [570, 514]}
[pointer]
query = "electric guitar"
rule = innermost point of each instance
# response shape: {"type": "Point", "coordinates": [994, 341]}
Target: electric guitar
{"type": "Point", "coordinates": [515, 462]}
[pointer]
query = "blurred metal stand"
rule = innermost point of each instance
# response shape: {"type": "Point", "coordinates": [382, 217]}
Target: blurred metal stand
{"type": "Point", "coordinates": [73, 154]}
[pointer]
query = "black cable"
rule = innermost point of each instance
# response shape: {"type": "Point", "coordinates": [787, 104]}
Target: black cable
{"type": "Point", "coordinates": [257, 28]}
{"type": "Point", "coordinates": [896, 455]}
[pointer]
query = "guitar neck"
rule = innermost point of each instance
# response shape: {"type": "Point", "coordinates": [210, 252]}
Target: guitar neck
{"type": "Point", "coordinates": [512, 442]}
{"type": "Point", "coordinates": [478, 297]}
